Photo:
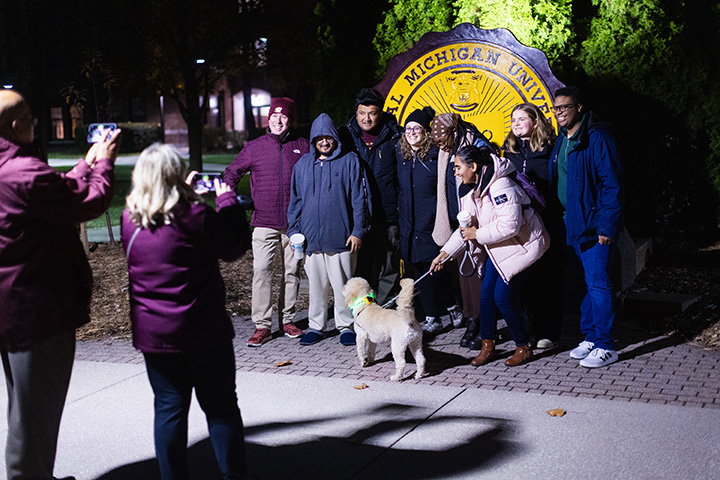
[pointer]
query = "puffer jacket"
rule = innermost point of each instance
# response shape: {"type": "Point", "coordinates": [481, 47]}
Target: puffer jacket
{"type": "Point", "coordinates": [448, 186]}
{"type": "Point", "coordinates": [327, 200]}
{"type": "Point", "coordinates": [270, 161]}
{"type": "Point", "coordinates": [508, 229]}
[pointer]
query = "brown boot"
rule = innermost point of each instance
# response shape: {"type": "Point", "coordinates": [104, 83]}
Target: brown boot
{"type": "Point", "coordinates": [487, 353]}
{"type": "Point", "coordinates": [522, 354]}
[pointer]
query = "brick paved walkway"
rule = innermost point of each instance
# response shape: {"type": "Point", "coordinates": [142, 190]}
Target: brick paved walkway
{"type": "Point", "coordinates": [652, 370]}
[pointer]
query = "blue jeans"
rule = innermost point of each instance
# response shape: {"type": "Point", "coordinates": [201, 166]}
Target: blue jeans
{"type": "Point", "coordinates": [597, 312]}
{"type": "Point", "coordinates": [496, 293]}
{"type": "Point", "coordinates": [211, 372]}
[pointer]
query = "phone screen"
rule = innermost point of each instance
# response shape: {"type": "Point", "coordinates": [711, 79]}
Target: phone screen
{"type": "Point", "coordinates": [96, 131]}
{"type": "Point", "coordinates": [204, 181]}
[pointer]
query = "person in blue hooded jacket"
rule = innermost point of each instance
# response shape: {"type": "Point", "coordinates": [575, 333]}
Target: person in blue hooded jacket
{"type": "Point", "coordinates": [327, 206]}
{"type": "Point", "coordinates": [586, 173]}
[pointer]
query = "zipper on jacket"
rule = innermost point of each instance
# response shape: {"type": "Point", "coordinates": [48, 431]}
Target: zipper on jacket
{"type": "Point", "coordinates": [282, 187]}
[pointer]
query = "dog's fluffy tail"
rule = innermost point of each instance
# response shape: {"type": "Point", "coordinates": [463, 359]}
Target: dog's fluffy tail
{"type": "Point", "coordinates": [405, 298]}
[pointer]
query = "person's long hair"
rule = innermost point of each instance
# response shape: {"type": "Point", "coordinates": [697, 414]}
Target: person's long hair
{"type": "Point", "coordinates": [423, 148]}
{"type": "Point", "coordinates": [158, 185]}
{"type": "Point", "coordinates": [482, 157]}
{"type": "Point", "coordinates": [541, 136]}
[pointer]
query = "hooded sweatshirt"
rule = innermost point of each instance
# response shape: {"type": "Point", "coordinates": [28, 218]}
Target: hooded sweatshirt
{"type": "Point", "coordinates": [327, 201]}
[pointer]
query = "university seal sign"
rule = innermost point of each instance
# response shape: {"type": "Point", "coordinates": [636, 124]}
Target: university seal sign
{"type": "Point", "coordinates": [479, 74]}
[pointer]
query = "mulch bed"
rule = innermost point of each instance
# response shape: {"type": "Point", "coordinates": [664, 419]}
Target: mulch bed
{"type": "Point", "coordinates": [109, 309]}
{"type": "Point", "coordinates": [695, 272]}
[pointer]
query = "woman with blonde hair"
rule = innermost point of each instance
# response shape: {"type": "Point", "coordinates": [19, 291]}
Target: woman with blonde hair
{"type": "Point", "coordinates": [173, 240]}
{"type": "Point", "coordinates": [528, 147]}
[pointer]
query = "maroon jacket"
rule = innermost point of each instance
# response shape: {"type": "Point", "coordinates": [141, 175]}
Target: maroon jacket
{"type": "Point", "coordinates": [45, 278]}
{"type": "Point", "coordinates": [177, 296]}
{"type": "Point", "coordinates": [270, 163]}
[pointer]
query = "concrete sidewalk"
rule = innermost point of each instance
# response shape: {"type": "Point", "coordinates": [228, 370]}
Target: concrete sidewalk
{"type": "Point", "coordinates": [652, 415]}
{"type": "Point", "coordinates": [303, 427]}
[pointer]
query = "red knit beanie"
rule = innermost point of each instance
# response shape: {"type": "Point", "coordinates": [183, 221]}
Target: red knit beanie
{"type": "Point", "coordinates": [283, 105]}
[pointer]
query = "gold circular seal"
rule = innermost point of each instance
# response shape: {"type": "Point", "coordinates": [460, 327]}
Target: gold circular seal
{"type": "Point", "coordinates": [480, 78]}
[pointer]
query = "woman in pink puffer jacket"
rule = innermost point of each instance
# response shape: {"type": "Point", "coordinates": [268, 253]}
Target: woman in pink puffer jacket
{"type": "Point", "coordinates": [505, 237]}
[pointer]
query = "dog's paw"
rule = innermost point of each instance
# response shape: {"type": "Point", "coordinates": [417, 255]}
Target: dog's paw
{"type": "Point", "coordinates": [364, 363]}
{"type": "Point", "coordinates": [419, 375]}
{"type": "Point", "coordinates": [396, 378]}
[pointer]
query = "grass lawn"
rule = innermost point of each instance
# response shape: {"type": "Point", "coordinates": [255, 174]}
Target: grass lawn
{"type": "Point", "coordinates": [122, 188]}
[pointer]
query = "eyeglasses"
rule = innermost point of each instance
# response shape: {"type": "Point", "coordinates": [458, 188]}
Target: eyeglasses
{"type": "Point", "coordinates": [413, 129]}
{"type": "Point", "coordinates": [562, 108]}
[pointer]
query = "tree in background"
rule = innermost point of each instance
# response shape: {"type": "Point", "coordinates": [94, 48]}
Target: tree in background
{"type": "Point", "coordinates": [185, 47]}
{"type": "Point", "coordinates": [405, 22]}
{"type": "Point", "coordinates": [647, 66]}
{"type": "Point", "coordinates": [543, 24]}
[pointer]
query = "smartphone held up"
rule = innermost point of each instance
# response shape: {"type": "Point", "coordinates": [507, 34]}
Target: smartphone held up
{"type": "Point", "coordinates": [98, 131]}
{"type": "Point", "coordinates": [204, 182]}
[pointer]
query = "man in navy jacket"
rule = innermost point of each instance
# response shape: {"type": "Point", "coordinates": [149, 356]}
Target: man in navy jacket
{"type": "Point", "coordinates": [586, 173]}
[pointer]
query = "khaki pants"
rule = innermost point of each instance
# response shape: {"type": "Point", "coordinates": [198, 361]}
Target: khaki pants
{"type": "Point", "coordinates": [325, 271]}
{"type": "Point", "coordinates": [267, 244]}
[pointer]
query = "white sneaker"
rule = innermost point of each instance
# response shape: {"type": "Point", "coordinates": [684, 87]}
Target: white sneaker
{"type": "Point", "coordinates": [456, 316]}
{"type": "Point", "coordinates": [582, 350]}
{"type": "Point", "coordinates": [431, 325]}
{"type": "Point", "coordinates": [599, 357]}
{"type": "Point", "coordinates": [545, 344]}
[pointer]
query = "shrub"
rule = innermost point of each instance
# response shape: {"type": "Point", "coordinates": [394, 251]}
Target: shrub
{"type": "Point", "coordinates": [217, 140]}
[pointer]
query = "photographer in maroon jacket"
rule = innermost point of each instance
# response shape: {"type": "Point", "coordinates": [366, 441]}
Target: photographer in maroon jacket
{"type": "Point", "coordinates": [45, 280]}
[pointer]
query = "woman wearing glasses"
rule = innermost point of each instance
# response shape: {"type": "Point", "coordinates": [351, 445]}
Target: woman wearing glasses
{"type": "Point", "coordinates": [528, 147]}
{"type": "Point", "coordinates": [417, 186]}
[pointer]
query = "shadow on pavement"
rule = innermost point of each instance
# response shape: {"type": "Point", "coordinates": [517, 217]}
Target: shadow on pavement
{"type": "Point", "coordinates": [356, 456]}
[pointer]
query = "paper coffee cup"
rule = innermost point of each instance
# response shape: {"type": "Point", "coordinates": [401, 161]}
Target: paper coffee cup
{"type": "Point", "coordinates": [297, 241]}
{"type": "Point", "coordinates": [464, 219]}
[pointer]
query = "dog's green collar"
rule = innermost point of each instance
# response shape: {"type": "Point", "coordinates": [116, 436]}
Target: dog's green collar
{"type": "Point", "coordinates": [369, 298]}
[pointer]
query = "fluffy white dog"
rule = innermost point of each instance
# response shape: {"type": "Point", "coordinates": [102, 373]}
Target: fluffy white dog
{"type": "Point", "coordinates": [374, 324]}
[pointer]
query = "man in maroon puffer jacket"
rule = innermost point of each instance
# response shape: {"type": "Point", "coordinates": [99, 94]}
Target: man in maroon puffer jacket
{"type": "Point", "coordinates": [270, 160]}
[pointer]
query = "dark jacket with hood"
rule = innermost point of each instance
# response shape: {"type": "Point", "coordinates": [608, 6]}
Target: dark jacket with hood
{"type": "Point", "coordinates": [327, 202]}
{"type": "Point", "coordinates": [269, 160]}
{"type": "Point", "coordinates": [382, 162]}
{"type": "Point", "coordinates": [45, 278]}
{"type": "Point", "coordinates": [594, 183]}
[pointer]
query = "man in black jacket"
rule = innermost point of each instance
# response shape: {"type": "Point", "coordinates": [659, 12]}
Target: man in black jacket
{"type": "Point", "coordinates": [375, 134]}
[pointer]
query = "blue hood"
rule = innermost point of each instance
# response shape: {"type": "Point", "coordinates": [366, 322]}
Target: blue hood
{"type": "Point", "coordinates": [323, 127]}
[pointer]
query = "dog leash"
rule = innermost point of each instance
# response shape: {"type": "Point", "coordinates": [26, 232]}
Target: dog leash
{"type": "Point", "coordinates": [394, 299]}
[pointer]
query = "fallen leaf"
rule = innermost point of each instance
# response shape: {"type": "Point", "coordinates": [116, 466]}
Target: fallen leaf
{"type": "Point", "coordinates": [283, 364]}
{"type": "Point", "coordinates": [556, 412]}
{"type": "Point", "coordinates": [362, 386]}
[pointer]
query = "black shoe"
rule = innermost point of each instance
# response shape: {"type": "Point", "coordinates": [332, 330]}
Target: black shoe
{"type": "Point", "coordinates": [476, 343]}
{"type": "Point", "coordinates": [470, 332]}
